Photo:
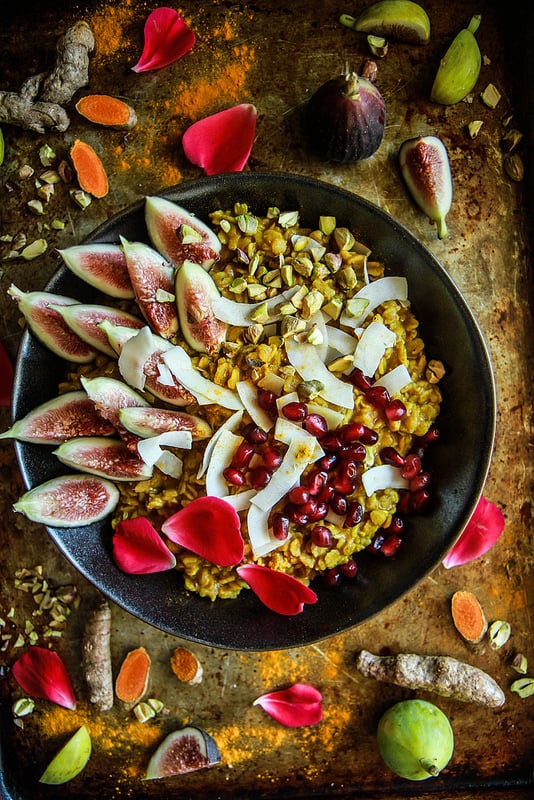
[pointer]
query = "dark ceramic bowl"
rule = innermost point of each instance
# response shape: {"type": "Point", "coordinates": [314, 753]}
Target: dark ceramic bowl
{"type": "Point", "coordinates": [458, 463]}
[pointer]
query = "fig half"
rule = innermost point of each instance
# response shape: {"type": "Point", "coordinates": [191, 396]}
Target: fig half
{"type": "Point", "coordinates": [183, 751]}
{"type": "Point", "coordinates": [195, 292]}
{"type": "Point", "coordinates": [69, 501]}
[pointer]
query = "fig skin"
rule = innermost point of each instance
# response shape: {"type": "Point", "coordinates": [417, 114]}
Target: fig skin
{"type": "Point", "coordinates": [345, 119]}
{"type": "Point", "coordinates": [195, 290]}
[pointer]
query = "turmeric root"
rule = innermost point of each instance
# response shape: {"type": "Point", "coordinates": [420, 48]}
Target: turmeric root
{"type": "Point", "coordinates": [443, 675]}
{"type": "Point", "coordinates": [108, 111]}
{"type": "Point", "coordinates": [468, 617]}
{"type": "Point", "coordinates": [132, 681]}
{"type": "Point", "coordinates": [96, 656]}
{"type": "Point", "coordinates": [186, 666]}
{"type": "Point", "coordinates": [25, 111]}
{"type": "Point", "coordinates": [89, 169]}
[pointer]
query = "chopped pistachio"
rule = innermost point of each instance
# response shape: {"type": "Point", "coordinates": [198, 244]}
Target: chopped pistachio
{"type": "Point", "coordinates": [238, 285]}
{"type": "Point", "coordinates": [225, 225]}
{"type": "Point", "coordinates": [315, 335]}
{"type": "Point", "coordinates": [341, 363]}
{"type": "Point", "coordinates": [524, 687]}
{"type": "Point", "coordinates": [288, 218]}
{"type": "Point", "coordinates": [46, 155]}
{"type": "Point", "coordinates": [303, 265]}
{"type": "Point", "coordinates": [256, 291]}
{"type": "Point", "coordinates": [46, 191]}
{"type": "Point", "coordinates": [474, 127]}
{"type": "Point", "coordinates": [36, 207]}
{"type": "Point", "coordinates": [298, 298]}
{"type": "Point", "coordinates": [156, 704]}
{"type": "Point", "coordinates": [291, 326]}
{"type": "Point", "coordinates": [50, 176]}
{"type": "Point", "coordinates": [273, 212]}
{"type": "Point", "coordinates": [287, 309]}
{"type": "Point", "coordinates": [513, 166]}
{"type": "Point", "coordinates": [309, 390]}
{"type": "Point", "coordinates": [254, 264]}
{"type": "Point", "coordinates": [19, 641]}
{"type": "Point", "coordinates": [19, 240]}
{"type": "Point", "coordinates": [64, 171]}
{"type": "Point", "coordinates": [81, 198]}
{"type": "Point", "coordinates": [6, 237]}
{"type": "Point", "coordinates": [311, 303]}
{"type": "Point", "coordinates": [260, 314]}
{"type": "Point", "coordinates": [57, 224]}
{"type": "Point", "coordinates": [377, 45]}
{"type": "Point", "coordinates": [25, 172]}
{"type": "Point", "coordinates": [333, 308]}
{"type": "Point", "coordinates": [11, 613]}
{"type": "Point", "coordinates": [344, 239]}
{"type": "Point", "coordinates": [273, 278]}
{"type": "Point", "coordinates": [499, 632]}
{"type": "Point", "coordinates": [490, 96]}
{"type": "Point", "coordinates": [520, 663]}
{"type": "Point", "coordinates": [253, 333]}
{"type": "Point", "coordinates": [188, 235]}
{"type": "Point", "coordinates": [242, 256]}
{"type": "Point", "coordinates": [247, 223]}
{"type": "Point", "coordinates": [286, 272]}
{"type": "Point", "coordinates": [327, 225]}
{"type": "Point", "coordinates": [347, 278]}
{"type": "Point", "coordinates": [22, 707]}
{"type": "Point", "coordinates": [510, 140]}
{"type": "Point", "coordinates": [333, 261]}
{"type": "Point", "coordinates": [163, 296]}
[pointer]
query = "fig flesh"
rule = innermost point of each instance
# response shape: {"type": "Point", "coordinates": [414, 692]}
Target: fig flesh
{"type": "Point", "coordinates": [101, 265]}
{"type": "Point", "coordinates": [84, 319]}
{"type": "Point", "coordinates": [146, 422]}
{"type": "Point", "coordinates": [109, 396]}
{"type": "Point", "coordinates": [69, 501]}
{"type": "Point", "coordinates": [107, 458]}
{"type": "Point", "coordinates": [425, 167]}
{"type": "Point", "coordinates": [71, 414]}
{"type": "Point", "coordinates": [178, 235]}
{"type": "Point", "coordinates": [183, 751]}
{"type": "Point", "coordinates": [195, 291]}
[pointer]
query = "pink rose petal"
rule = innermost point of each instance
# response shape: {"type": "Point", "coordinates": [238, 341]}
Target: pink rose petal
{"type": "Point", "coordinates": [42, 673]}
{"type": "Point", "coordinates": [6, 377]}
{"type": "Point", "coordinates": [209, 527]}
{"type": "Point", "coordinates": [222, 142]}
{"type": "Point", "coordinates": [167, 37]}
{"type": "Point", "coordinates": [139, 549]}
{"type": "Point", "coordinates": [479, 535]}
{"type": "Point", "coordinates": [279, 592]}
{"type": "Point", "coordinates": [294, 707]}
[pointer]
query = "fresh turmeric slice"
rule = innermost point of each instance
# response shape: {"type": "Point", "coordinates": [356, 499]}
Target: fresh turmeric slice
{"type": "Point", "coordinates": [132, 681]}
{"type": "Point", "coordinates": [186, 666]}
{"type": "Point", "coordinates": [468, 617]}
{"type": "Point", "coordinates": [102, 109]}
{"type": "Point", "coordinates": [89, 169]}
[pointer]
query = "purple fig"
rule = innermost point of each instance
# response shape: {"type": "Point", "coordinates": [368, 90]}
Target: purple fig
{"type": "Point", "coordinates": [84, 321]}
{"type": "Point", "coordinates": [108, 458]}
{"type": "Point", "coordinates": [69, 501]}
{"type": "Point", "coordinates": [146, 422]}
{"type": "Point", "coordinates": [182, 751]}
{"type": "Point", "coordinates": [109, 396]}
{"type": "Point", "coordinates": [48, 325]}
{"type": "Point", "coordinates": [178, 235]}
{"type": "Point", "coordinates": [425, 167]}
{"type": "Point", "coordinates": [195, 290]}
{"type": "Point", "coordinates": [70, 414]}
{"type": "Point", "coordinates": [101, 265]}
{"type": "Point", "coordinates": [153, 280]}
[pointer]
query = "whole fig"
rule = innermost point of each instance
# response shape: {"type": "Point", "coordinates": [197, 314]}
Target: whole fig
{"type": "Point", "coordinates": [345, 118]}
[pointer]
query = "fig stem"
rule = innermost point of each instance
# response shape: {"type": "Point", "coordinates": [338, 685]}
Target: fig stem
{"type": "Point", "coordinates": [474, 24]}
{"type": "Point", "coordinates": [352, 85]}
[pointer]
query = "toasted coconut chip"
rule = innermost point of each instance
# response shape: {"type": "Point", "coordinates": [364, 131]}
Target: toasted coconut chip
{"type": "Point", "coordinates": [220, 458]}
{"type": "Point", "coordinates": [377, 292]}
{"type": "Point", "coordinates": [231, 424]}
{"type": "Point", "coordinates": [373, 343]}
{"type": "Point", "coordinates": [395, 380]}
{"type": "Point", "coordinates": [384, 476]}
{"type": "Point", "coordinates": [306, 360]}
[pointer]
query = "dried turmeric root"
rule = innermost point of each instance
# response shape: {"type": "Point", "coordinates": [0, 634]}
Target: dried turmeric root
{"type": "Point", "coordinates": [443, 675]}
{"type": "Point", "coordinates": [108, 111]}
{"type": "Point", "coordinates": [468, 617]}
{"type": "Point", "coordinates": [96, 656]}
{"type": "Point", "coordinates": [186, 666]}
{"type": "Point", "coordinates": [89, 169]}
{"type": "Point", "coordinates": [132, 681]}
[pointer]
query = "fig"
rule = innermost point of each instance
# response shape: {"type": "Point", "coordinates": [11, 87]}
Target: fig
{"type": "Point", "coordinates": [178, 235]}
{"type": "Point", "coordinates": [107, 458]}
{"type": "Point", "coordinates": [84, 319]}
{"type": "Point", "coordinates": [70, 760]}
{"type": "Point", "coordinates": [425, 167]}
{"type": "Point", "coordinates": [101, 265]}
{"type": "Point", "coordinates": [70, 414]}
{"type": "Point", "coordinates": [415, 739]}
{"type": "Point", "coordinates": [345, 119]}
{"type": "Point", "coordinates": [186, 750]}
{"type": "Point", "coordinates": [195, 291]}
{"type": "Point", "coordinates": [459, 68]}
{"type": "Point", "coordinates": [109, 396]}
{"type": "Point", "coordinates": [152, 278]}
{"type": "Point", "coordinates": [146, 422]}
{"type": "Point", "coordinates": [69, 501]}
{"type": "Point", "coordinates": [48, 325]}
{"type": "Point", "coordinates": [395, 19]}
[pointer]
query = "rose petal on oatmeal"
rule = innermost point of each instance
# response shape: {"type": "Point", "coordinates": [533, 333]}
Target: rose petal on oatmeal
{"type": "Point", "coordinates": [209, 527]}
{"type": "Point", "coordinates": [222, 142]}
{"type": "Point", "coordinates": [280, 592]}
{"type": "Point", "coordinates": [6, 377]}
{"type": "Point", "coordinates": [167, 37]}
{"type": "Point", "coordinates": [138, 549]}
{"type": "Point", "coordinates": [294, 707]}
{"type": "Point", "coordinates": [479, 535]}
{"type": "Point", "coordinates": [41, 673]}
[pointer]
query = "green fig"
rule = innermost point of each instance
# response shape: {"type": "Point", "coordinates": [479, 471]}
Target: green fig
{"type": "Point", "coordinates": [459, 68]}
{"type": "Point", "coordinates": [195, 290]}
{"type": "Point", "coordinates": [425, 167]}
{"type": "Point", "coordinates": [415, 739]}
{"type": "Point", "coordinates": [393, 19]}
{"type": "Point", "coordinates": [70, 760]}
{"type": "Point", "coordinates": [101, 265]}
{"type": "Point", "coordinates": [69, 501]}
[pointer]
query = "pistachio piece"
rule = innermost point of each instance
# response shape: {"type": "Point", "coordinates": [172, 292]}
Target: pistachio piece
{"type": "Point", "coordinates": [524, 687]}
{"type": "Point", "coordinates": [473, 128]}
{"type": "Point", "coordinates": [309, 390]}
{"type": "Point", "coordinates": [288, 218]}
{"type": "Point", "coordinates": [35, 249]}
{"type": "Point", "coordinates": [490, 96]}
{"type": "Point", "coordinates": [520, 663]}
{"type": "Point", "coordinates": [513, 166]}
{"type": "Point", "coordinates": [247, 223]}
{"type": "Point", "coordinates": [253, 333]}
{"type": "Point", "coordinates": [499, 632]}
{"type": "Point", "coordinates": [344, 239]}
{"type": "Point", "coordinates": [312, 303]}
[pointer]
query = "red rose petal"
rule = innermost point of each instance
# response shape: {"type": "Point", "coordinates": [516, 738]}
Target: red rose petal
{"type": "Point", "coordinates": [139, 549]}
{"type": "Point", "coordinates": [222, 142]}
{"type": "Point", "coordinates": [209, 527]}
{"type": "Point", "coordinates": [42, 673]}
{"type": "Point", "coordinates": [6, 377]}
{"type": "Point", "coordinates": [479, 535]}
{"type": "Point", "coordinates": [167, 37]}
{"type": "Point", "coordinates": [294, 707]}
{"type": "Point", "coordinates": [279, 592]}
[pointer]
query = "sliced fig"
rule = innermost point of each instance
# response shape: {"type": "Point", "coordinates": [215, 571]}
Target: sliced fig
{"type": "Point", "coordinates": [109, 396]}
{"type": "Point", "coordinates": [152, 278]}
{"type": "Point", "coordinates": [195, 291]}
{"type": "Point", "coordinates": [108, 458]}
{"type": "Point", "coordinates": [117, 335]}
{"type": "Point", "coordinates": [152, 421]}
{"type": "Point", "coordinates": [41, 312]}
{"type": "Point", "coordinates": [178, 235]}
{"type": "Point", "coordinates": [183, 751]}
{"type": "Point", "coordinates": [69, 415]}
{"type": "Point", "coordinates": [69, 501]}
{"type": "Point", "coordinates": [101, 265]}
{"type": "Point", "coordinates": [84, 319]}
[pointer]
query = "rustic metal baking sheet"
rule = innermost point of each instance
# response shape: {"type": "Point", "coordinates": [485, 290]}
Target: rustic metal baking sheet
{"type": "Point", "coordinates": [275, 55]}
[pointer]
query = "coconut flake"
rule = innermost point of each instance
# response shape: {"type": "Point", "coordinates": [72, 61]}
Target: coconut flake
{"type": "Point", "coordinates": [305, 359]}
{"type": "Point", "coordinates": [150, 449]}
{"type": "Point", "coordinates": [333, 418]}
{"type": "Point", "coordinates": [133, 357]}
{"type": "Point", "coordinates": [300, 453]}
{"type": "Point", "coordinates": [377, 292]}
{"type": "Point", "coordinates": [373, 343]}
{"type": "Point", "coordinates": [182, 368]}
{"type": "Point", "coordinates": [384, 476]}
{"type": "Point", "coordinates": [220, 458]}
{"type": "Point", "coordinates": [249, 397]}
{"type": "Point", "coordinates": [285, 431]}
{"type": "Point", "coordinates": [170, 464]}
{"type": "Point", "coordinates": [231, 424]}
{"type": "Point", "coordinates": [239, 314]}
{"type": "Point", "coordinates": [395, 380]}
{"type": "Point", "coordinates": [241, 500]}
{"type": "Point", "coordinates": [260, 535]}
{"type": "Point", "coordinates": [272, 383]}
{"type": "Point", "coordinates": [340, 341]}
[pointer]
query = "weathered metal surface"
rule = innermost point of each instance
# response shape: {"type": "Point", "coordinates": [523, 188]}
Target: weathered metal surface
{"type": "Point", "coordinates": [275, 56]}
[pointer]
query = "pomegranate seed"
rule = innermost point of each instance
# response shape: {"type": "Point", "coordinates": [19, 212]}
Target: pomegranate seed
{"type": "Point", "coordinates": [280, 526]}
{"type": "Point", "coordinates": [420, 501]}
{"type": "Point", "coordinates": [353, 452]}
{"type": "Point", "coordinates": [234, 476]}
{"type": "Point", "coordinates": [327, 462]}
{"type": "Point", "coordinates": [321, 536]}
{"type": "Point", "coordinates": [391, 456]}
{"type": "Point", "coordinates": [309, 508]}
{"type": "Point", "coordinates": [354, 514]}
{"type": "Point", "coordinates": [397, 525]}
{"type": "Point", "coordinates": [260, 477]}
{"type": "Point", "coordinates": [321, 510]}
{"type": "Point", "coordinates": [338, 503]}
{"type": "Point", "coordinates": [349, 569]}
{"type": "Point", "coordinates": [267, 400]}
{"type": "Point", "coordinates": [376, 543]}
{"type": "Point", "coordinates": [242, 455]}
{"type": "Point", "coordinates": [295, 412]}
{"type": "Point", "coordinates": [390, 545]}
{"type": "Point", "coordinates": [369, 436]}
{"type": "Point", "coordinates": [299, 495]}
{"type": "Point", "coordinates": [325, 494]}
{"type": "Point", "coordinates": [316, 425]}
{"type": "Point", "coordinates": [361, 381]}
{"type": "Point", "coordinates": [254, 434]}
{"type": "Point", "coordinates": [330, 442]}
{"type": "Point", "coordinates": [419, 482]}
{"type": "Point", "coordinates": [345, 477]}
{"type": "Point", "coordinates": [332, 577]}
{"type": "Point", "coordinates": [431, 436]}
{"type": "Point", "coordinates": [272, 457]}
{"type": "Point", "coordinates": [352, 432]}
{"type": "Point", "coordinates": [378, 396]}
{"type": "Point", "coordinates": [404, 504]}
{"type": "Point", "coordinates": [315, 481]}
{"type": "Point", "coordinates": [412, 466]}
{"type": "Point", "coordinates": [395, 410]}
{"type": "Point", "coordinates": [296, 515]}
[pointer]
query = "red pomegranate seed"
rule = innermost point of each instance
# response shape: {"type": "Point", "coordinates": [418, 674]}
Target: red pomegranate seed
{"type": "Point", "coordinates": [327, 461]}
{"type": "Point", "coordinates": [419, 482]}
{"type": "Point", "coordinates": [332, 577]}
{"type": "Point", "coordinates": [378, 396]}
{"type": "Point", "coordinates": [296, 514]}
{"type": "Point", "coordinates": [351, 432]}
{"type": "Point", "coordinates": [349, 569]}
{"type": "Point", "coordinates": [315, 480]}
{"type": "Point", "coordinates": [254, 434]}
{"type": "Point", "coordinates": [316, 425]}
{"type": "Point", "coordinates": [395, 410]}
{"type": "Point", "coordinates": [411, 467]}
{"type": "Point", "coordinates": [397, 525]}
{"type": "Point", "coordinates": [325, 493]}
{"type": "Point", "coordinates": [338, 503]}
{"type": "Point", "coordinates": [299, 495]}
{"type": "Point", "coordinates": [389, 455]}
{"type": "Point", "coordinates": [295, 412]}
{"type": "Point", "coordinates": [354, 514]}
{"type": "Point", "coordinates": [309, 508]}
{"type": "Point", "coordinates": [330, 442]}
{"type": "Point", "coordinates": [404, 504]}
{"type": "Point", "coordinates": [353, 452]}
{"type": "Point", "coordinates": [376, 542]}
{"type": "Point", "coordinates": [369, 436]}
{"type": "Point", "coordinates": [361, 381]}
{"type": "Point", "coordinates": [345, 477]}
{"type": "Point", "coordinates": [431, 436]}
{"type": "Point", "coordinates": [260, 477]}
{"type": "Point", "coordinates": [420, 501]}
{"type": "Point", "coordinates": [280, 526]}
{"type": "Point", "coordinates": [234, 476]}
{"type": "Point", "coordinates": [321, 536]}
{"type": "Point", "coordinates": [267, 400]}
{"type": "Point", "coordinates": [272, 457]}
{"type": "Point", "coordinates": [321, 510]}
{"type": "Point", "coordinates": [242, 455]}
{"type": "Point", "coordinates": [390, 545]}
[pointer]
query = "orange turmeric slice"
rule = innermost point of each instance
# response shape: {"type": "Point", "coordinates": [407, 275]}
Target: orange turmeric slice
{"type": "Point", "coordinates": [186, 666]}
{"type": "Point", "coordinates": [102, 109]}
{"type": "Point", "coordinates": [468, 616]}
{"type": "Point", "coordinates": [89, 169]}
{"type": "Point", "coordinates": [132, 681]}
